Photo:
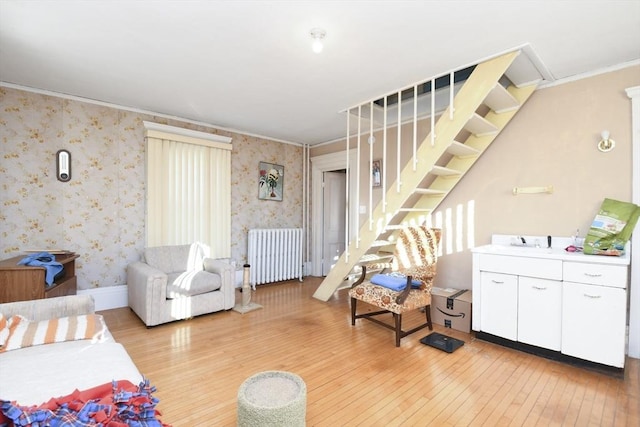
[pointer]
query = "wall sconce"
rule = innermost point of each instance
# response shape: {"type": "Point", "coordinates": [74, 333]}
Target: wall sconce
{"type": "Point", "coordinates": [317, 34]}
{"type": "Point", "coordinates": [63, 165]}
{"type": "Point", "coordinates": [606, 144]}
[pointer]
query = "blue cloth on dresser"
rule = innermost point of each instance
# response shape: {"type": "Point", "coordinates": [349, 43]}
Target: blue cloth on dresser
{"type": "Point", "coordinates": [46, 260]}
{"type": "Point", "coordinates": [393, 281]}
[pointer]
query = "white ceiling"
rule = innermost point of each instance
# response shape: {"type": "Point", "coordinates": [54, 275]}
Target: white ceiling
{"type": "Point", "coordinates": [248, 65]}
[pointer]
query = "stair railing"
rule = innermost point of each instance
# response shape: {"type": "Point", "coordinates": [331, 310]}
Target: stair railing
{"type": "Point", "coordinates": [380, 224]}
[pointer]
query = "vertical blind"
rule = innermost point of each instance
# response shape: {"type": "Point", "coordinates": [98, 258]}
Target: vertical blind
{"type": "Point", "coordinates": [188, 189]}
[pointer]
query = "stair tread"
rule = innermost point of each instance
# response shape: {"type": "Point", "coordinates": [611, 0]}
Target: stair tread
{"type": "Point", "coordinates": [500, 100]}
{"type": "Point", "coordinates": [443, 171]}
{"type": "Point", "coordinates": [479, 126]}
{"type": "Point", "coordinates": [415, 209]}
{"type": "Point", "coordinates": [429, 191]}
{"type": "Point", "coordinates": [459, 149]}
{"type": "Point", "coordinates": [373, 257]}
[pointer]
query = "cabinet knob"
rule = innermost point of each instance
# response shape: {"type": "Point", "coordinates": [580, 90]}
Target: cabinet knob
{"type": "Point", "coordinates": [593, 274]}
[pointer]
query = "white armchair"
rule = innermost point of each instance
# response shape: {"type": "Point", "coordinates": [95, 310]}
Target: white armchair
{"type": "Point", "coordinates": [178, 282]}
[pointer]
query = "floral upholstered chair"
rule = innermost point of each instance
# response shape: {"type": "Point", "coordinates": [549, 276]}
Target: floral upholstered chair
{"type": "Point", "coordinates": [414, 262]}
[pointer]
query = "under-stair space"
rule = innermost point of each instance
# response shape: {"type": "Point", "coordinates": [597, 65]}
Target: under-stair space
{"type": "Point", "coordinates": [482, 107]}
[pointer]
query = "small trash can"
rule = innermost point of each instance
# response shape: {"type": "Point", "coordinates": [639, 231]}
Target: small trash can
{"type": "Point", "coordinates": [272, 398]}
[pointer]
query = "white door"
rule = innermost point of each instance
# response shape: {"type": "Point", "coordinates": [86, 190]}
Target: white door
{"type": "Point", "coordinates": [333, 221]}
{"type": "Point", "coordinates": [540, 312]}
{"type": "Point", "coordinates": [593, 323]}
{"type": "Point", "coordinates": [499, 301]}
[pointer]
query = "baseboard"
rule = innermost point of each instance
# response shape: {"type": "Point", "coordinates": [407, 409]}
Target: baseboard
{"type": "Point", "coordinates": [551, 354]}
{"type": "Point", "coordinates": [109, 297]}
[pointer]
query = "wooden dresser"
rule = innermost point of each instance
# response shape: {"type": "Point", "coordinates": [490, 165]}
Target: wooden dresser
{"type": "Point", "coordinates": [22, 282]}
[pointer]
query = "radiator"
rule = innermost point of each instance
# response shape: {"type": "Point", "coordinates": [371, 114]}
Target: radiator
{"type": "Point", "coordinates": [274, 255]}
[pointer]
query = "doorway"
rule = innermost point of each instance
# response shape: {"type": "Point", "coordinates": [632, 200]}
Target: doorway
{"type": "Point", "coordinates": [333, 217]}
{"type": "Point", "coordinates": [320, 165]}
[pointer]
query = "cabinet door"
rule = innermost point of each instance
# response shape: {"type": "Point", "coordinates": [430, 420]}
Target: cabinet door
{"type": "Point", "coordinates": [540, 312]}
{"type": "Point", "coordinates": [499, 300]}
{"type": "Point", "coordinates": [593, 323]}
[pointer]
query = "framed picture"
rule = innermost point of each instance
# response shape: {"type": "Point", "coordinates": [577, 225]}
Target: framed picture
{"type": "Point", "coordinates": [376, 171]}
{"type": "Point", "coordinates": [270, 181]}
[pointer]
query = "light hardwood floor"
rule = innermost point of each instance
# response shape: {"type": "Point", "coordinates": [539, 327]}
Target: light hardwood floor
{"type": "Point", "coordinates": [355, 375]}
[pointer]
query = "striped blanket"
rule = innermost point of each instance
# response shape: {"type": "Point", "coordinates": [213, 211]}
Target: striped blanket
{"type": "Point", "coordinates": [18, 332]}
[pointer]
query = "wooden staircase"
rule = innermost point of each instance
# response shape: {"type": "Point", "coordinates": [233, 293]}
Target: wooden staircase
{"type": "Point", "coordinates": [440, 166]}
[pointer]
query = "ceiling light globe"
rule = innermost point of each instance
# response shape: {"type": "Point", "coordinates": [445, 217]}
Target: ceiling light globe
{"type": "Point", "coordinates": [317, 34]}
{"type": "Point", "coordinates": [317, 46]}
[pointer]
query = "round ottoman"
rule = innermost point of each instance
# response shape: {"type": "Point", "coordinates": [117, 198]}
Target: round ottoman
{"type": "Point", "coordinates": [272, 398]}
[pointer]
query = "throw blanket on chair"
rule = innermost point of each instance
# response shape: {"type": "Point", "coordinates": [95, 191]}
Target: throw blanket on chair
{"type": "Point", "coordinates": [393, 281]}
{"type": "Point", "coordinates": [115, 404]}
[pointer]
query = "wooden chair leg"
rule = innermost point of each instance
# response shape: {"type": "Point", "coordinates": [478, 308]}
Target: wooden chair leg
{"type": "Point", "coordinates": [427, 310]}
{"type": "Point", "coordinates": [398, 319]}
{"type": "Point", "coordinates": [353, 311]}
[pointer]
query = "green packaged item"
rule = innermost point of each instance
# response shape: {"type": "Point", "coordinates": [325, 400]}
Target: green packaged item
{"type": "Point", "coordinates": [611, 229]}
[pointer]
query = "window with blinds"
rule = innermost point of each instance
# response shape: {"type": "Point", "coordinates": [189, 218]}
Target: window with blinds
{"type": "Point", "coordinates": [188, 194]}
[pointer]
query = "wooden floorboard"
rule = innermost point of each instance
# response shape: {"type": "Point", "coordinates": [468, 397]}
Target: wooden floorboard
{"type": "Point", "coordinates": [355, 375]}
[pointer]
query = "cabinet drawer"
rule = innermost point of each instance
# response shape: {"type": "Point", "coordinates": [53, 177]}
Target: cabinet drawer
{"type": "Point", "coordinates": [522, 266]}
{"type": "Point", "coordinates": [596, 274]}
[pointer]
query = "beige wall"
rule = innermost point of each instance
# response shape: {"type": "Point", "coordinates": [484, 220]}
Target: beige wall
{"type": "Point", "coordinates": [100, 213]}
{"type": "Point", "coordinates": [551, 141]}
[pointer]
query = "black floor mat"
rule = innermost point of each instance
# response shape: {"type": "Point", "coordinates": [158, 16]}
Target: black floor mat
{"type": "Point", "coordinates": [442, 342]}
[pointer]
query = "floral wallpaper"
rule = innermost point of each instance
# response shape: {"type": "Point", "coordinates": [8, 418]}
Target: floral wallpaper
{"type": "Point", "coordinates": [99, 213]}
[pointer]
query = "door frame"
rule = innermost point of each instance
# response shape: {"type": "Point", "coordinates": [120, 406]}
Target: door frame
{"type": "Point", "coordinates": [634, 297]}
{"type": "Point", "coordinates": [330, 203]}
{"type": "Point", "coordinates": [319, 165]}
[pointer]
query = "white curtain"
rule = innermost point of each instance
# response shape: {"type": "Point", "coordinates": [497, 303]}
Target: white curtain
{"type": "Point", "coordinates": [188, 191]}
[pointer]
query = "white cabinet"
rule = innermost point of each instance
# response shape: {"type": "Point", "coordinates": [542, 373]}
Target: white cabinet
{"type": "Point", "coordinates": [540, 312]}
{"type": "Point", "coordinates": [570, 303]}
{"type": "Point", "coordinates": [500, 304]}
{"type": "Point", "coordinates": [594, 313]}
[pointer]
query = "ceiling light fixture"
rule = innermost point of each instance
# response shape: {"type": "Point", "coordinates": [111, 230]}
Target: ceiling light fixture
{"type": "Point", "coordinates": [317, 34]}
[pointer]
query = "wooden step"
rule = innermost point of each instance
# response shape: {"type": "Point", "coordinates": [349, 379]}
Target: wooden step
{"type": "Point", "coordinates": [380, 243]}
{"type": "Point", "coordinates": [394, 227]}
{"type": "Point", "coordinates": [430, 192]}
{"type": "Point", "coordinates": [427, 210]}
{"type": "Point", "coordinates": [369, 258]}
{"type": "Point", "coordinates": [459, 149]}
{"type": "Point", "coordinates": [479, 126]}
{"type": "Point", "coordinates": [442, 171]}
{"type": "Point", "coordinates": [500, 100]}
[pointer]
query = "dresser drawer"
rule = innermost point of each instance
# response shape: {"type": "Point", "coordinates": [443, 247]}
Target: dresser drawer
{"type": "Point", "coordinates": [595, 274]}
{"type": "Point", "coordinates": [522, 266]}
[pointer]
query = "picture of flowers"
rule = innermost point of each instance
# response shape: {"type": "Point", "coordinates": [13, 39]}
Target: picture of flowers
{"type": "Point", "coordinates": [270, 182]}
